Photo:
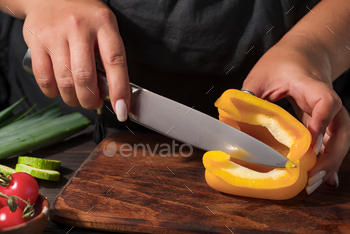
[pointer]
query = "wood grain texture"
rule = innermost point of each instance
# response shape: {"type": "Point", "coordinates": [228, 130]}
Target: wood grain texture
{"type": "Point", "coordinates": [145, 194]}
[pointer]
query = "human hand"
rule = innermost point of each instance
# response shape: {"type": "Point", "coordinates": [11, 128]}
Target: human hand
{"type": "Point", "coordinates": [304, 76]}
{"type": "Point", "coordinates": [63, 37]}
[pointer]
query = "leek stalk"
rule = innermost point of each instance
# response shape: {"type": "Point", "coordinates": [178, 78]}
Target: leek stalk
{"type": "Point", "coordinates": [41, 129]}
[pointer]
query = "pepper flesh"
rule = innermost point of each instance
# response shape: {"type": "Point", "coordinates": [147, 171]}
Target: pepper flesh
{"type": "Point", "coordinates": [272, 125]}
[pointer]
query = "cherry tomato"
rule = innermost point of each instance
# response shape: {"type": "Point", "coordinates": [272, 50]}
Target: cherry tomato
{"type": "Point", "coordinates": [10, 219]}
{"type": "Point", "coordinates": [22, 185]}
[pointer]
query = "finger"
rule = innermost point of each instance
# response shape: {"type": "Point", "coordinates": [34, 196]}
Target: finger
{"type": "Point", "coordinates": [43, 72]}
{"type": "Point", "coordinates": [303, 116]}
{"type": "Point", "coordinates": [60, 57]}
{"type": "Point", "coordinates": [323, 112]}
{"type": "Point", "coordinates": [266, 87]}
{"type": "Point", "coordinates": [335, 149]}
{"type": "Point", "coordinates": [113, 57]}
{"type": "Point", "coordinates": [255, 85]}
{"type": "Point", "coordinates": [321, 103]}
{"type": "Point", "coordinates": [337, 143]}
{"type": "Point", "coordinates": [84, 71]}
{"type": "Point", "coordinates": [318, 142]}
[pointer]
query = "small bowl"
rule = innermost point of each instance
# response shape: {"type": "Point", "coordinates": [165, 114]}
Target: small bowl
{"type": "Point", "coordinates": [37, 224]}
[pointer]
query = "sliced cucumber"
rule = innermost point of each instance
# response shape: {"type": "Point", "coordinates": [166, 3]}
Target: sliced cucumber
{"type": "Point", "coordinates": [7, 170]}
{"type": "Point", "coordinates": [39, 163]}
{"type": "Point", "coordinates": [38, 173]}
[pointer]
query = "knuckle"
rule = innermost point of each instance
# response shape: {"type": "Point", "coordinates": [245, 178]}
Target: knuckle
{"type": "Point", "coordinates": [75, 21]}
{"type": "Point", "coordinates": [44, 83]}
{"type": "Point", "coordinates": [334, 100]}
{"type": "Point", "coordinates": [330, 97]}
{"type": "Point", "coordinates": [105, 15]}
{"type": "Point", "coordinates": [83, 78]}
{"type": "Point", "coordinates": [42, 34]}
{"type": "Point", "coordinates": [116, 59]}
{"type": "Point", "coordinates": [65, 84]}
{"type": "Point", "coordinates": [338, 102]}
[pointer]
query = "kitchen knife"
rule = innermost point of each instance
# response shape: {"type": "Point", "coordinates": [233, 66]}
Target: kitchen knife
{"type": "Point", "coordinates": [188, 125]}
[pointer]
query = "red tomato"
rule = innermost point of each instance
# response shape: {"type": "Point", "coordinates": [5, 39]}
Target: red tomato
{"type": "Point", "coordinates": [10, 219]}
{"type": "Point", "coordinates": [22, 185]}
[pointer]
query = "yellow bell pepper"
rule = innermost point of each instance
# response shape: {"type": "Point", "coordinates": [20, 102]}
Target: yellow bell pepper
{"type": "Point", "coordinates": [272, 125]}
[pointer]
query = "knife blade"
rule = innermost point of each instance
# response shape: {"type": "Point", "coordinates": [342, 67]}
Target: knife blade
{"type": "Point", "coordinates": [188, 125]}
{"type": "Point", "coordinates": [202, 131]}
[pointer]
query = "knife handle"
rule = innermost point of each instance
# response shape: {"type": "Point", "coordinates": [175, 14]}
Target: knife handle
{"type": "Point", "coordinates": [101, 75]}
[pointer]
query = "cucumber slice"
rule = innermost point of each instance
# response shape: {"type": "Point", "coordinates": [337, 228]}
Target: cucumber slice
{"type": "Point", "coordinates": [7, 170]}
{"type": "Point", "coordinates": [38, 173]}
{"type": "Point", "coordinates": [40, 163]}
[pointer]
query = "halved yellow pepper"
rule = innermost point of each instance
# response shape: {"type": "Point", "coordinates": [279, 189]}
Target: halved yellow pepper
{"type": "Point", "coordinates": [272, 125]}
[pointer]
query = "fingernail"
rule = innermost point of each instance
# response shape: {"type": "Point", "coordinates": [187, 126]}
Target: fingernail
{"type": "Point", "coordinates": [316, 177]}
{"type": "Point", "coordinates": [336, 178]}
{"type": "Point", "coordinates": [121, 110]}
{"type": "Point", "coordinates": [318, 144]}
{"type": "Point", "coordinates": [310, 189]}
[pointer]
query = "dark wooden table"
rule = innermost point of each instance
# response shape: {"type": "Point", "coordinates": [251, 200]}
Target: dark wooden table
{"type": "Point", "coordinates": [72, 153]}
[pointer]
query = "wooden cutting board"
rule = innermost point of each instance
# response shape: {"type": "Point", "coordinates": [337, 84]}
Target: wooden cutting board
{"type": "Point", "coordinates": [138, 193]}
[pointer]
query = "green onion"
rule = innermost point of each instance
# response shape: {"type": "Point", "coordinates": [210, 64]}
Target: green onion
{"type": "Point", "coordinates": [7, 113]}
{"type": "Point", "coordinates": [17, 117]}
{"type": "Point", "coordinates": [41, 129]}
{"type": "Point", "coordinates": [49, 112]}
